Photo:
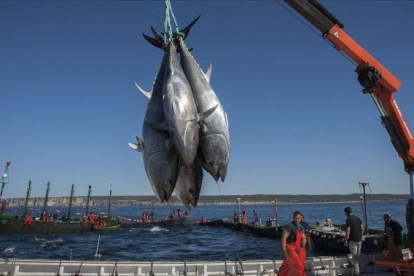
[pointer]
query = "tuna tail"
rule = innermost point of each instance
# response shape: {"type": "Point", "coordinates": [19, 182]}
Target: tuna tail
{"type": "Point", "coordinates": [158, 41]}
{"type": "Point", "coordinates": [152, 41]}
{"type": "Point", "coordinates": [187, 29]}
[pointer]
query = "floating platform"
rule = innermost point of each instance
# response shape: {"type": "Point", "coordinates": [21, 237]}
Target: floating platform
{"type": "Point", "coordinates": [329, 266]}
{"type": "Point", "coordinates": [161, 223]}
{"type": "Point", "coordinates": [261, 231]}
{"type": "Point", "coordinates": [331, 238]}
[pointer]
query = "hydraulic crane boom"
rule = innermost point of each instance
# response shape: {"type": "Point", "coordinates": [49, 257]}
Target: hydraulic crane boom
{"type": "Point", "coordinates": [376, 80]}
{"type": "Point", "coordinates": [372, 75]}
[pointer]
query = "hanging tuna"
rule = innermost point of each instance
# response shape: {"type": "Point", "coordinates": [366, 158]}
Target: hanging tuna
{"type": "Point", "coordinates": [185, 127]}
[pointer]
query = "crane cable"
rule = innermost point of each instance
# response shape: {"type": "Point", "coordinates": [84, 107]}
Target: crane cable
{"type": "Point", "coordinates": [313, 30]}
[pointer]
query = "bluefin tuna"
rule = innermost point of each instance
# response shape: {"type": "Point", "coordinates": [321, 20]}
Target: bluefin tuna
{"type": "Point", "coordinates": [189, 183]}
{"type": "Point", "coordinates": [214, 138]}
{"type": "Point", "coordinates": [180, 109]}
{"type": "Point", "coordinates": [160, 159]}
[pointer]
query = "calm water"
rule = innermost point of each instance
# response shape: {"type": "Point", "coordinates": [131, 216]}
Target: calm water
{"type": "Point", "coordinates": [184, 243]}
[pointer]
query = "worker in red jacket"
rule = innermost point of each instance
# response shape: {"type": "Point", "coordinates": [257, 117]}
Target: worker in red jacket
{"type": "Point", "coordinates": [293, 240]}
{"type": "Point", "coordinates": [3, 206]}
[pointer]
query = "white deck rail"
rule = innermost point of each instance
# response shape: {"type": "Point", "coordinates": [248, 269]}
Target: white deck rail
{"type": "Point", "coordinates": [329, 266]}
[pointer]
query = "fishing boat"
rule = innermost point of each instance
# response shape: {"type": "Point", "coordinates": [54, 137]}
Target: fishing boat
{"type": "Point", "coordinates": [164, 223]}
{"type": "Point", "coordinates": [26, 224]}
{"type": "Point", "coordinates": [17, 225]}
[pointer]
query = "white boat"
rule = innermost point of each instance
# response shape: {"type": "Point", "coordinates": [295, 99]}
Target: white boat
{"type": "Point", "coordinates": [329, 266]}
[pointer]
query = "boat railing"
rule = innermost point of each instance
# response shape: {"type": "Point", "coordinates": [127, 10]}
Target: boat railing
{"type": "Point", "coordinates": [329, 266]}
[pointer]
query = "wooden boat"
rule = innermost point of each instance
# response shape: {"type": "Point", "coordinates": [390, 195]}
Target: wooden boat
{"type": "Point", "coordinates": [161, 223]}
{"type": "Point", "coordinates": [331, 238]}
{"type": "Point", "coordinates": [16, 225]}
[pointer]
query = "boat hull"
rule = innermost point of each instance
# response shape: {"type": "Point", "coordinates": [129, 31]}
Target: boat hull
{"type": "Point", "coordinates": [161, 223]}
{"type": "Point", "coordinates": [16, 225]}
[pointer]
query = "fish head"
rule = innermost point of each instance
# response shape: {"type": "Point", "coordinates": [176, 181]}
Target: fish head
{"type": "Point", "coordinates": [214, 155]}
{"type": "Point", "coordinates": [163, 170]}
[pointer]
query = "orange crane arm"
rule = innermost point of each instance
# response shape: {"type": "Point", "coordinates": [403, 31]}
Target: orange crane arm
{"type": "Point", "coordinates": [372, 75]}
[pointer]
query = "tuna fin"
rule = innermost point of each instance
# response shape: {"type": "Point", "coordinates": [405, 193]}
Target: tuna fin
{"type": "Point", "coordinates": [209, 70]}
{"type": "Point", "coordinates": [139, 146]}
{"type": "Point", "coordinates": [187, 29]}
{"type": "Point", "coordinates": [159, 126]}
{"type": "Point", "coordinates": [202, 116]}
{"type": "Point", "coordinates": [145, 93]}
{"type": "Point", "coordinates": [168, 144]}
{"type": "Point", "coordinates": [152, 41]}
{"type": "Point", "coordinates": [157, 36]}
{"type": "Point", "coordinates": [133, 146]}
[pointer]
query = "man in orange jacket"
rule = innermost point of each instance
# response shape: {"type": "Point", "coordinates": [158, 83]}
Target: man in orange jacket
{"type": "Point", "coordinates": [293, 239]}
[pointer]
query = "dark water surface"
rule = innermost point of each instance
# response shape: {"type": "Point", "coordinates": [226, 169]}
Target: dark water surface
{"type": "Point", "coordinates": [181, 243]}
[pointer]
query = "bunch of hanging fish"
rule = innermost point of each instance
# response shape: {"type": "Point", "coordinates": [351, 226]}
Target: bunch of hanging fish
{"type": "Point", "coordinates": [185, 127]}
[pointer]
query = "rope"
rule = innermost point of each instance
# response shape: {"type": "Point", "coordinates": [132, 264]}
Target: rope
{"type": "Point", "coordinates": [168, 28]}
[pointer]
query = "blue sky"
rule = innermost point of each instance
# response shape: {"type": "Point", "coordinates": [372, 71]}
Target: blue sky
{"type": "Point", "coordinates": [298, 120]}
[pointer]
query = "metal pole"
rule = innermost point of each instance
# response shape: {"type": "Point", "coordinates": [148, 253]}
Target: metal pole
{"type": "Point", "coordinates": [364, 184]}
{"type": "Point", "coordinates": [3, 178]}
{"type": "Point", "coordinates": [275, 201]}
{"type": "Point", "coordinates": [109, 204]}
{"type": "Point", "coordinates": [88, 199]}
{"type": "Point", "coordinates": [410, 214]}
{"type": "Point", "coordinates": [46, 197]}
{"type": "Point", "coordinates": [153, 214]}
{"type": "Point", "coordinates": [239, 209]}
{"type": "Point", "coordinates": [29, 188]}
{"type": "Point", "coordinates": [72, 191]}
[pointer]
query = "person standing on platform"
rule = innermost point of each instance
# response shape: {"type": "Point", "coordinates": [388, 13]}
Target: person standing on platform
{"type": "Point", "coordinates": [393, 239]}
{"type": "Point", "coordinates": [293, 239]}
{"type": "Point", "coordinates": [256, 218]}
{"type": "Point", "coordinates": [3, 206]}
{"type": "Point", "coordinates": [353, 237]}
{"type": "Point", "coordinates": [306, 228]}
{"type": "Point", "coordinates": [244, 217]}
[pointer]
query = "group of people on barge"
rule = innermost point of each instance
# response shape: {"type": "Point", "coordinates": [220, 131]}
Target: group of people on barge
{"type": "Point", "coordinates": [295, 236]}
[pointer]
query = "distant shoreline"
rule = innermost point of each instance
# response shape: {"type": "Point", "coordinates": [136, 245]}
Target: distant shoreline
{"type": "Point", "coordinates": [258, 199]}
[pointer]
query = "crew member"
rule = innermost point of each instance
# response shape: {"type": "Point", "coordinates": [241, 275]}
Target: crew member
{"type": "Point", "coordinates": [244, 217]}
{"type": "Point", "coordinates": [92, 217]}
{"type": "Point", "coordinates": [153, 218]}
{"type": "Point", "coordinates": [393, 239]}
{"type": "Point", "coordinates": [293, 239]}
{"type": "Point", "coordinates": [306, 228]}
{"type": "Point", "coordinates": [353, 237]}
{"type": "Point", "coordinates": [235, 217]}
{"type": "Point", "coordinates": [3, 206]}
{"type": "Point", "coordinates": [185, 214]}
{"type": "Point", "coordinates": [28, 219]}
{"type": "Point", "coordinates": [179, 213]}
{"type": "Point", "coordinates": [203, 220]}
{"type": "Point", "coordinates": [256, 218]}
